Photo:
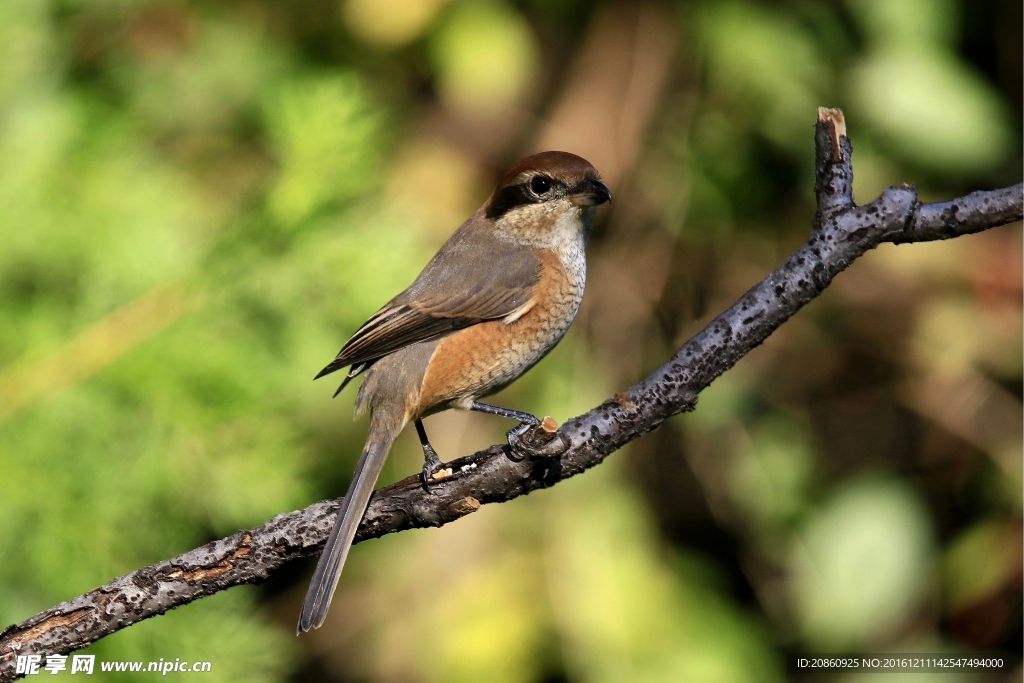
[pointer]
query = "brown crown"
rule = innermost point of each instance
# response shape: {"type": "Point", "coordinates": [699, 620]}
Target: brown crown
{"type": "Point", "coordinates": [561, 165]}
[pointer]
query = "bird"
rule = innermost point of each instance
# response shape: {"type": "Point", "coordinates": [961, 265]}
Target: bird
{"type": "Point", "coordinates": [493, 301]}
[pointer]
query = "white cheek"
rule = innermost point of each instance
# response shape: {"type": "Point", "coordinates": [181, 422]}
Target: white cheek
{"type": "Point", "coordinates": [533, 225]}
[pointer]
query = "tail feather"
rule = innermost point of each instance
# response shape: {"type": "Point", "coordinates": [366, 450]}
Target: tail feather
{"type": "Point", "coordinates": [328, 569]}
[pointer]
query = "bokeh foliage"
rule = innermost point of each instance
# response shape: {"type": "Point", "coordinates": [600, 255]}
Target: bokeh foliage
{"type": "Point", "coordinates": [201, 200]}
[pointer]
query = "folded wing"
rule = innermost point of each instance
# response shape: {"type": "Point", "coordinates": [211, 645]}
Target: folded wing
{"type": "Point", "coordinates": [475, 277]}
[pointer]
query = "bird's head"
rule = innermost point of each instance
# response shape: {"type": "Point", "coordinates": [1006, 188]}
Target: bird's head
{"type": "Point", "coordinates": [546, 198]}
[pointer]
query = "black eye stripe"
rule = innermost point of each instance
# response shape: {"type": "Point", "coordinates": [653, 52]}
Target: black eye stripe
{"type": "Point", "coordinates": [507, 199]}
{"type": "Point", "coordinates": [512, 196]}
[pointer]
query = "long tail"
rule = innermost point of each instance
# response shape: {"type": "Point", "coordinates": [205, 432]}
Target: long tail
{"type": "Point", "coordinates": [328, 570]}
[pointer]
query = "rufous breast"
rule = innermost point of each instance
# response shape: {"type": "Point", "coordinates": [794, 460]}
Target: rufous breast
{"type": "Point", "coordinates": [483, 359]}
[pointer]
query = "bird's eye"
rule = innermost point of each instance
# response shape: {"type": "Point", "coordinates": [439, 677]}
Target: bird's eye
{"type": "Point", "coordinates": [540, 185]}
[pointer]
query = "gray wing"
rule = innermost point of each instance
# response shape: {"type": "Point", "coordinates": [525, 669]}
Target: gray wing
{"type": "Point", "coordinates": [474, 277]}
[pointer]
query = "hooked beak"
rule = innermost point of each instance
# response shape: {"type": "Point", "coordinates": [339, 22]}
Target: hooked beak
{"type": "Point", "coordinates": [590, 192]}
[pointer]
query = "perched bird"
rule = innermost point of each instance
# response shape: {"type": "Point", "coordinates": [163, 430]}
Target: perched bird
{"type": "Point", "coordinates": [497, 296]}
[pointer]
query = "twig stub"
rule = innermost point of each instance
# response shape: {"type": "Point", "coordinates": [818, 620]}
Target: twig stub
{"type": "Point", "coordinates": [836, 123]}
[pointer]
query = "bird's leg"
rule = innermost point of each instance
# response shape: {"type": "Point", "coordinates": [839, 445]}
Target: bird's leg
{"type": "Point", "coordinates": [526, 421]}
{"type": "Point", "coordinates": [431, 463]}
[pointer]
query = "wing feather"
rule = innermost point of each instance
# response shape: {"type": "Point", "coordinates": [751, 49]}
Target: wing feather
{"type": "Point", "coordinates": [474, 277]}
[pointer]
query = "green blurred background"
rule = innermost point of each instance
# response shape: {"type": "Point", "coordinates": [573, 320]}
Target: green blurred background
{"type": "Point", "coordinates": [202, 199]}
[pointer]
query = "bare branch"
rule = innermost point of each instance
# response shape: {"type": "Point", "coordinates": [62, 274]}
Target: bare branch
{"type": "Point", "coordinates": [973, 213]}
{"type": "Point", "coordinates": [842, 232]}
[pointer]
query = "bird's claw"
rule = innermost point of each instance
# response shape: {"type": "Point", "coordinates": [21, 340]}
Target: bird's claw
{"type": "Point", "coordinates": [434, 469]}
{"type": "Point", "coordinates": [545, 442]}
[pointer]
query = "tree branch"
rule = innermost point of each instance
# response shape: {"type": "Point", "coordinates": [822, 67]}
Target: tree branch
{"type": "Point", "coordinates": [841, 233]}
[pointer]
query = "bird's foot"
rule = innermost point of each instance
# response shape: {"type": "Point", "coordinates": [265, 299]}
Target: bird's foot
{"type": "Point", "coordinates": [434, 470]}
{"type": "Point", "coordinates": [537, 439]}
